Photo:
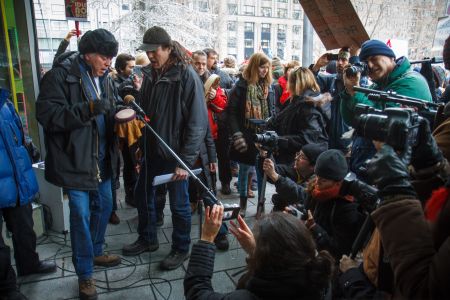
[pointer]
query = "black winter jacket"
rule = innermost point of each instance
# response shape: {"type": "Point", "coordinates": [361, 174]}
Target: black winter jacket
{"type": "Point", "coordinates": [337, 224]}
{"type": "Point", "coordinates": [300, 123]}
{"type": "Point", "coordinates": [236, 115]}
{"type": "Point", "coordinates": [71, 136]}
{"type": "Point", "coordinates": [176, 107]}
{"type": "Point", "coordinates": [197, 281]}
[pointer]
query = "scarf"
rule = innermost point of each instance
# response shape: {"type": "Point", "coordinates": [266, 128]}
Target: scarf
{"type": "Point", "coordinates": [330, 193]}
{"type": "Point", "coordinates": [256, 106]}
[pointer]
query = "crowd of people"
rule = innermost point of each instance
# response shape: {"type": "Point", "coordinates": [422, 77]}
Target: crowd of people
{"type": "Point", "coordinates": [306, 247]}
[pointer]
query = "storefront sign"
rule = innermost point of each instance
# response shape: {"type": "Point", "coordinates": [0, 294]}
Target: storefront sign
{"type": "Point", "coordinates": [76, 10]}
{"type": "Point", "coordinates": [336, 22]}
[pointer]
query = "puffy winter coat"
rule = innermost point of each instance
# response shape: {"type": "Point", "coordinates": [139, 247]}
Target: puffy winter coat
{"type": "Point", "coordinates": [215, 108]}
{"type": "Point", "coordinates": [18, 184]}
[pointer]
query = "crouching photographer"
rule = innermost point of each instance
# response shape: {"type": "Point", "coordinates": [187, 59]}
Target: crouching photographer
{"type": "Point", "coordinates": [291, 181]}
{"type": "Point", "coordinates": [418, 254]}
{"type": "Point", "coordinates": [283, 262]}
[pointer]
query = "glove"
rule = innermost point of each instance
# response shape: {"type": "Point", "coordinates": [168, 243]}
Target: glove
{"type": "Point", "coordinates": [426, 153]}
{"type": "Point", "coordinates": [389, 173]}
{"type": "Point", "coordinates": [239, 142]}
{"type": "Point", "coordinates": [427, 71]}
{"type": "Point", "coordinates": [98, 107]}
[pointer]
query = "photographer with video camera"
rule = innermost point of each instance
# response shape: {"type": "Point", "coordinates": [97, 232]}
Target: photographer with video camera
{"type": "Point", "coordinates": [302, 121]}
{"type": "Point", "coordinates": [283, 262]}
{"type": "Point", "coordinates": [291, 180]}
{"type": "Point", "coordinates": [387, 73]}
{"type": "Point", "coordinates": [251, 98]}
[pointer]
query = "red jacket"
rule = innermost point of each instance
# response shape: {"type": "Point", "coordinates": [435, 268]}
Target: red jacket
{"type": "Point", "coordinates": [283, 84]}
{"type": "Point", "coordinates": [216, 106]}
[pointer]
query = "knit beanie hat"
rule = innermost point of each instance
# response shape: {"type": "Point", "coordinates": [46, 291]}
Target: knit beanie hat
{"type": "Point", "coordinates": [99, 41]}
{"type": "Point", "coordinates": [276, 62]}
{"type": "Point", "coordinates": [312, 151]}
{"type": "Point", "coordinates": [375, 47]}
{"type": "Point", "coordinates": [331, 165]}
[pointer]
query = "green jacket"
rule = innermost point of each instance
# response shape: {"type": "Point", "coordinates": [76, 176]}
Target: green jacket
{"type": "Point", "coordinates": [403, 80]}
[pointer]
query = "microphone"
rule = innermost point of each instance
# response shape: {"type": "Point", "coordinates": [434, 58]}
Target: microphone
{"type": "Point", "coordinates": [129, 100]}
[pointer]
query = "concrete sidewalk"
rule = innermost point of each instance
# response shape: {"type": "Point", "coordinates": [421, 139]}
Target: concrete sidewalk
{"type": "Point", "coordinates": [136, 277]}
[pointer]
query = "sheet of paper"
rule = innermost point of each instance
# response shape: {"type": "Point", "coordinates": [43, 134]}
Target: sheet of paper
{"type": "Point", "coordinates": [165, 178]}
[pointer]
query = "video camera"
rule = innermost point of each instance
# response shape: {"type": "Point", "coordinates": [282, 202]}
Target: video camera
{"type": "Point", "coordinates": [366, 195]}
{"type": "Point", "coordinates": [397, 127]}
{"type": "Point", "coordinates": [359, 67]}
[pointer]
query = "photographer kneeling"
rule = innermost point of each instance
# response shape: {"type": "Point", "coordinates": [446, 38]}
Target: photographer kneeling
{"type": "Point", "coordinates": [291, 180]}
{"type": "Point", "coordinates": [283, 262]}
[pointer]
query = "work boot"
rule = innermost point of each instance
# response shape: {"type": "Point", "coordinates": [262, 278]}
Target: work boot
{"type": "Point", "coordinates": [160, 219]}
{"type": "Point", "coordinates": [243, 206]}
{"type": "Point", "coordinates": [86, 289]}
{"type": "Point", "coordinates": [225, 190]}
{"type": "Point", "coordinates": [221, 242]}
{"type": "Point", "coordinates": [138, 247]}
{"type": "Point", "coordinates": [107, 261]}
{"type": "Point", "coordinates": [114, 218]}
{"type": "Point", "coordinates": [173, 260]}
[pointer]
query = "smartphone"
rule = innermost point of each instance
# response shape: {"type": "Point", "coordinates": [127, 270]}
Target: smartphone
{"type": "Point", "coordinates": [137, 70]}
{"type": "Point", "coordinates": [230, 211]}
{"type": "Point", "coordinates": [331, 56]}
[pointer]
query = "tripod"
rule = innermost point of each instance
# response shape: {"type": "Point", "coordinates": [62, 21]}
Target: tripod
{"type": "Point", "coordinates": [262, 193]}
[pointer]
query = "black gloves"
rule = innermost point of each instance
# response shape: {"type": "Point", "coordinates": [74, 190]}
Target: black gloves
{"type": "Point", "coordinates": [239, 142]}
{"type": "Point", "coordinates": [390, 174]}
{"type": "Point", "coordinates": [98, 107]}
{"type": "Point", "coordinates": [426, 154]}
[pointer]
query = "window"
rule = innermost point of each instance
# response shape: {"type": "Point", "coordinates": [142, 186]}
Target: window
{"type": "Point", "coordinates": [43, 44]}
{"type": "Point", "coordinates": [232, 26]}
{"type": "Point", "coordinates": [232, 9]}
{"type": "Point", "coordinates": [265, 28]}
{"type": "Point", "coordinates": [296, 57]}
{"type": "Point", "coordinates": [266, 11]}
{"type": "Point", "coordinates": [283, 1]}
{"type": "Point", "coordinates": [249, 10]}
{"type": "Point", "coordinates": [282, 28]}
{"type": "Point", "coordinates": [282, 13]}
{"type": "Point", "coordinates": [249, 26]}
{"type": "Point", "coordinates": [248, 43]}
{"type": "Point", "coordinates": [231, 43]}
{"type": "Point", "coordinates": [59, 25]}
{"type": "Point", "coordinates": [55, 43]}
{"type": "Point", "coordinates": [296, 14]}
{"type": "Point", "coordinates": [265, 43]}
{"type": "Point", "coordinates": [296, 29]}
{"type": "Point", "coordinates": [57, 9]}
{"type": "Point", "coordinates": [125, 7]}
{"type": "Point", "coordinates": [203, 6]}
{"type": "Point", "coordinates": [295, 44]}
{"type": "Point", "coordinates": [42, 25]}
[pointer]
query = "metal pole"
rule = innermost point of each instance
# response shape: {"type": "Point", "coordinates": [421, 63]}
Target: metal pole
{"type": "Point", "coordinates": [307, 48]}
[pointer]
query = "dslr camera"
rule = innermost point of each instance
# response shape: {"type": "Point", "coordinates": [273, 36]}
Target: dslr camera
{"type": "Point", "coordinates": [365, 194]}
{"type": "Point", "coordinates": [270, 141]}
{"type": "Point", "coordinates": [395, 126]}
{"type": "Point", "coordinates": [360, 67]}
{"type": "Point", "coordinates": [298, 211]}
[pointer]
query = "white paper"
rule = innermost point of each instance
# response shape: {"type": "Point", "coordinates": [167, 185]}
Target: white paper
{"type": "Point", "coordinates": [165, 178]}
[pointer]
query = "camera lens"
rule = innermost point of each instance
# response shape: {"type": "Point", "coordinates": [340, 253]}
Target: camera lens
{"type": "Point", "coordinates": [372, 127]}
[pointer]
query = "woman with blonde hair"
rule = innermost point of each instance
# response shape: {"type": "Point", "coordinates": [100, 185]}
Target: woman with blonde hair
{"type": "Point", "coordinates": [302, 121]}
{"type": "Point", "coordinates": [252, 98]}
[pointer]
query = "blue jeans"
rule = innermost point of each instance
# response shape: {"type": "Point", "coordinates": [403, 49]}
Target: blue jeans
{"type": "Point", "coordinates": [243, 179]}
{"type": "Point", "coordinates": [89, 215]}
{"type": "Point", "coordinates": [179, 205]}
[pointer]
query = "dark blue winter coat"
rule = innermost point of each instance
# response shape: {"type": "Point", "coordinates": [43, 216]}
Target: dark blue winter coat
{"type": "Point", "coordinates": [18, 184]}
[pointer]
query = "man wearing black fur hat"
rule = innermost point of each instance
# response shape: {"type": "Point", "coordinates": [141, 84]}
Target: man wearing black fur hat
{"type": "Point", "coordinates": [76, 109]}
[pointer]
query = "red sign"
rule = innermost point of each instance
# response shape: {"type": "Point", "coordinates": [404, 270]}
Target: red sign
{"type": "Point", "coordinates": [336, 22]}
{"type": "Point", "coordinates": [76, 10]}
